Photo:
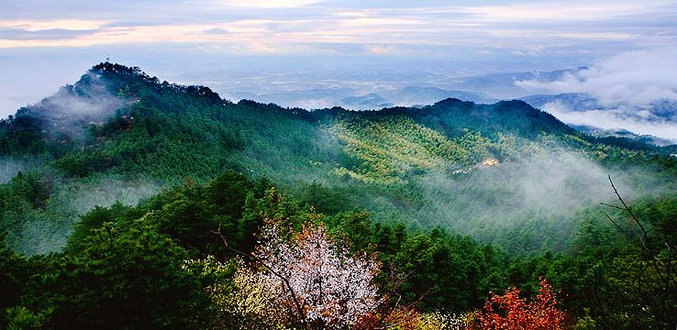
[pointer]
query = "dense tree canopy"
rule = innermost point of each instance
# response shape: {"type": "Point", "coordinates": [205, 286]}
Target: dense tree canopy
{"type": "Point", "coordinates": [440, 205]}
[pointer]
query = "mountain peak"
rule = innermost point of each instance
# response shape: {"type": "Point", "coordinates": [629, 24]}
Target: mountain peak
{"type": "Point", "coordinates": [115, 68]}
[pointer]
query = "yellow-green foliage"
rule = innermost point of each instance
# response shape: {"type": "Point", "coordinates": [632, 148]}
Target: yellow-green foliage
{"type": "Point", "coordinates": [244, 302]}
{"type": "Point", "coordinates": [389, 149]}
{"type": "Point", "coordinates": [445, 321]}
{"type": "Point", "coordinates": [251, 300]}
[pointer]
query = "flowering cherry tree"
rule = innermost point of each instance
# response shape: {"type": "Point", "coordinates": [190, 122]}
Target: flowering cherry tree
{"type": "Point", "coordinates": [332, 287]}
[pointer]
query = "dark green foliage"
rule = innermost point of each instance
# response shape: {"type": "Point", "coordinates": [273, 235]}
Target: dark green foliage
{"type": "Point", "coordinates": [123, 265]}
{"type": "Point", "coordinates": [189, 213]}
{"type": "Point", "coordinates": [13, 274]}
{"type": "Point", "coordinates": [425, 176]}
{"type": "Point", "coordinates": [606, 277]}
{"type": "Point", "coordinates": [333, 159]}
{"type": "Point", "coordinates": [125, 277]}
{"type": "Point", "coordinates": [32, 188]}
{"type": "Point", "coordinates": [95, 219]}
{"type": "Point", "coordinates": [434, 269]}
{"type": "Point", "coordinates": [326, 200]}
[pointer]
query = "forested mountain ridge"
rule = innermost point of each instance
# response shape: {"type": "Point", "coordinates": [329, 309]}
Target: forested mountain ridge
{"type": "Point", "coordinates": [121, 134]}
{"type": "Point", "coordinates": [439, 204]}
{"type": "Point", "coordinates": [108, 87]}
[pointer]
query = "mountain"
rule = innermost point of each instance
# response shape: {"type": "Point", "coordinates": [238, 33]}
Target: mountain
{"type": "Point", "coordinates": [136, 203]}
{"type": "Point", "coordinates": [368, 101]}
{"type": "Point", "coordinates": [503, 84]}
{"type": "Point", "coordinates": [572, 101]}
{"type": "Point", "coordinates": [409, 96]}
{"type": "Point", "coordinates": [412, 95]}
{"type": "Point", "coordinates": [611, 120]}
{"type": "Point", "coordinates": [578, 108]}
{"type": "Point", "coordinates": [350, 98]}
{"type": "Point", "coordinates": [625, 134]}
{"type": "Point", "coordinates": [663, 110]}
{"type": "Point", "coordinates": [118, 134]}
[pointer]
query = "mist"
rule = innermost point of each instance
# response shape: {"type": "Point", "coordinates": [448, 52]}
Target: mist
{"type": "Point", "coordinates": [538, 196]}
{"type": "Point", "coordinates": [9, 167]}
{"type": "Point", "coordinates": [637, 78]}
{"type": "Point", "coordinates": [636, 120]}
{"type": "Point", "coordinates": [67, 113]}
{"type": "Point", "coordinates": [47, 230]}
{"type": "Point", "coordinates": [62, 118]}
{"type": "Point", "coordinates": [633, 90]}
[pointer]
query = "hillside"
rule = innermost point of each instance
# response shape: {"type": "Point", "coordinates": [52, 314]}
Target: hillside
{"type": "Point", "coordinates": [135, 203]}
{"type": "Point", "coordinates": [118, 134]}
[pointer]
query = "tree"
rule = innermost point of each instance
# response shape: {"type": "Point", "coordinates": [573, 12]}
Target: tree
{"type": "Point", "coordinates": [13, 273]}
{"type": "Point", "coordinates": [125, 277]}
{"type": "Point", "coordinates": [321, 283]}
{"type": "Point", "coordinates": [240, 297]}
{"type": "Point", "coordinates": [333, 287]}
{"type": "Point", "coordinates": [513, 312]}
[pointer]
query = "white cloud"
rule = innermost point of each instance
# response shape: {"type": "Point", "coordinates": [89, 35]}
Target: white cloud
{"type": "Point", "coordinates": [637, 78]}
{"type": "Point", "coordinates": [559, 11]}
{"type": "Point", "coordinates": [627, 87]}
{"type": "Point", "coordinates": [615, 119]}
{"type": "Point", "coordinates": [266, 3]}
{"type": "Point", "coordinates": [381, 49]}
{"type": "Point", "coordinates": [66, 24]}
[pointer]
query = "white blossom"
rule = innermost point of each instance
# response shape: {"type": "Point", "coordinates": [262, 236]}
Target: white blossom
{"type": "Point", "coordinates": [332, 287]}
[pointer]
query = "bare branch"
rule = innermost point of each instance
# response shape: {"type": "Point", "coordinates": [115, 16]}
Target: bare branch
{"type": "Point", "coordinates": [613, 206]}
{"type": "Point", "coordinates": [617, 226]}
{"type": "Point", "coordinates": [627, 208]}
{"type": "Point", "coordinates": [663, 271]}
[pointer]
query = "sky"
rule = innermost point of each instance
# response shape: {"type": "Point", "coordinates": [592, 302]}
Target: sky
{"type": "Point", "coordinates": [267, 47]}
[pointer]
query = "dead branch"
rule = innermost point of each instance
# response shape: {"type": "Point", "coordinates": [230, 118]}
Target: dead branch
{"type": "Point", "coordinates": [662, 270]}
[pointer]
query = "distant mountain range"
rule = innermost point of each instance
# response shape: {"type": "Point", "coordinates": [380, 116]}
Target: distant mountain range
{"type": "Point", "coordinates": [623, 133]}
{"type": "Point", "coordinates": [663, 110]}
{"type": "Point", "coordinates": [343, 97]}
{"type": "Point", "coordinates": [502, 85]}
{"type": "Point", "coordinates": [572, 101]}
{"type": "Point", "coordinates": [577, 109]}
{"type": "Point", "coordinates": [617, 119]}
{"type": "Point", "coordinates": [410, 96]}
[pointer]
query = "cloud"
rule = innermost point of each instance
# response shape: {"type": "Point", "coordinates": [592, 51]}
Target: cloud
{"type": "Point", "coordinates": [527, 191]}
{"type": "Point", "coordinates": [215, 31]}
{"type": "Point", "coordinates": [558, 11]}
{"type": "Point", "coordinates": [18, 34]}
{"type": "Point", "coordinates": [73, 107]}
{"type": "Point", "coordinates": [636, 91]}
{"type": "Point", "coordinates": [64, 24]}
{"type": "Point", "coordinates": [636, 120]}
{"type": "Point", "coordinates": [638, 78]}
{"type": "Point", "coordinates": [428, 40]}
{"type": "Point", "coordinates": [381, 49]}
{"type": "Point", "coordinates": [266, 3]}
{"type": "Point", "coordinates": [289, 25]}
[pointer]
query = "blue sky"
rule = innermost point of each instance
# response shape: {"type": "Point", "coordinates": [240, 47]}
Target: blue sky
{"type": "Point", "coordinates": [270, 46]}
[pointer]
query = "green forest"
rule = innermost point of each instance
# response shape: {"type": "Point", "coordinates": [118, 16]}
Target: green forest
{"type": "Point", "coordinates": [134, 203]}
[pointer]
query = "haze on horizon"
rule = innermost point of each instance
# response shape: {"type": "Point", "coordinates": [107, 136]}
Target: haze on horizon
{"type": "Point", "coordinates": [322, 50]}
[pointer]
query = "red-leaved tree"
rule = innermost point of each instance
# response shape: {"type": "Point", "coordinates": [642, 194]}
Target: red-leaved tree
{"type": "Point", "coordinates": [510, 312]}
